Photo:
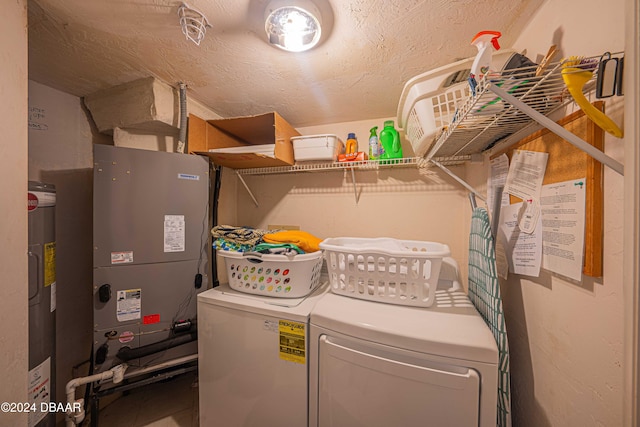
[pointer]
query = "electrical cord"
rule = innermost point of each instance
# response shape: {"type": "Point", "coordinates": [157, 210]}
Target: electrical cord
{"type": "Point", "coordinates": [215, 196]}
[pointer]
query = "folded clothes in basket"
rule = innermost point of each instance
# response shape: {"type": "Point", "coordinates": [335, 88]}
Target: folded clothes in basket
{"type": "Point", "coordinates": [277, 249]}
{"type": "Point", "coordinates": [221, 244]}
{"type": "Point", "coordinates": [305, 241]}
{"type": "Point", "coordinates": [239, 239]}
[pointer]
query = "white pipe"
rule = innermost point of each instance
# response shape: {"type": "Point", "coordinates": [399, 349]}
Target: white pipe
{"type": "Point", "coordinates": [182, 134]}
{"type": "Point", "coordinates": [118, 374]}
{"type": "Point", "coordinates": [76, 415]}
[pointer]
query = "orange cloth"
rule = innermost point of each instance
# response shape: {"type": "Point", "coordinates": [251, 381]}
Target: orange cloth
{"type": "Point", "coordinates": [305, 241]}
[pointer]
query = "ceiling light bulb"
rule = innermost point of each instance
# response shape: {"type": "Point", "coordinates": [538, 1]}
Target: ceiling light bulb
{"type": "Point", "coordinates": [293, 26]}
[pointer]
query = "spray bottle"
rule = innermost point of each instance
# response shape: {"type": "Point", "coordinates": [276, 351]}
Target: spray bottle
{"type": "Point", "coordinates": [374, 144]}
{"type": "Point", "coordinates": [486, 42]}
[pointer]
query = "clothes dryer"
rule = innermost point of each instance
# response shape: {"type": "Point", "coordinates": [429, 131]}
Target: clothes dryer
{"type": "Point", "coordinates": [253, 358]}
{"type": "Point", "coordinates": [373, 364]}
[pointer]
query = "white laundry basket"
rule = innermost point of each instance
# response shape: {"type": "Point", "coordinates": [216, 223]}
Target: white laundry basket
{"type": "Point", "coordinates": [273, 275]}
{"type": "Point", "coordinates": [403, 272]}
{"type": "Point", "coordinates": [430, 100]}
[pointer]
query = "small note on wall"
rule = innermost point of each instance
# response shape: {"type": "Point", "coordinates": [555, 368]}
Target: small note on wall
{"type": "Point", "coordinates": [526, 173]}
{"type": "Point", "coordinates": [37, 118]}
{"type": "Point", "coordinates": [523, 250]}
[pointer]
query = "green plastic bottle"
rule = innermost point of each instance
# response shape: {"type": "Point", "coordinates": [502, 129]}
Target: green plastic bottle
{"type": "Point", "coordinates": [390, 142]}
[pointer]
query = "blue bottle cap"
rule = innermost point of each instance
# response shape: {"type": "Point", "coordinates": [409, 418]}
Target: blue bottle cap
{"type": "Point", "coordinates": [351, 136]}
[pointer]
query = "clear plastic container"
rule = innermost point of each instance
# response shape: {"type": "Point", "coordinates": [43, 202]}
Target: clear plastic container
{"type": "Point", "coordinates": [317, 147]}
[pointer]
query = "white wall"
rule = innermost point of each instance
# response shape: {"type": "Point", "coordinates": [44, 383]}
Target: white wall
{"type": "Point", "coordinates": [404, 203]}
{"type": "Point", "coordinates": [631, 275]}
{"type": "Point", "coordinates": [14, 342]}
{"type": "Point", "coordinates": [566, 339]}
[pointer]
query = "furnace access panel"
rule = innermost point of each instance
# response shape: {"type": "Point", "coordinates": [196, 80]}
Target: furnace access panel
{"type": "Point", "coordinates": [151, 237]}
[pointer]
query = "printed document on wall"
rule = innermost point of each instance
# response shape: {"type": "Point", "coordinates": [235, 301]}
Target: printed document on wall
{"type": "Point", "coordinates": [523, 250]}
{"type": "Point", "coordinates": [526, 173]}
{"type": "Point", "coordinates": [563, 217]}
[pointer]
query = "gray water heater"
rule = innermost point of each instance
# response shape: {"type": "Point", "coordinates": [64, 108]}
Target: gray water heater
{"type": "Point", "coordinates": [41, 205]}
{"type": "Point", "coordinates": [150, 256]}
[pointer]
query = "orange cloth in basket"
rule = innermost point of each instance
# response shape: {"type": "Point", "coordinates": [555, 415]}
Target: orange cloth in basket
{"type": "Point", "coordinates": [305, 241]}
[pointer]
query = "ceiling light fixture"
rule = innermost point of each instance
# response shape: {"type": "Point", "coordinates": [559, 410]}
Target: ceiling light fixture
{"type": "Point", "coordinates": [293, 25]}
{"type": "Point", "coordinates": [193, 23]}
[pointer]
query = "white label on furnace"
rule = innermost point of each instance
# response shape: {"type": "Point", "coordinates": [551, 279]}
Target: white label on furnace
{"type": "Point", "coordinates": [39, 390]}
{"type": "Point", "coordinates": [129, 305]}
{"type": "Point", "coordinates": [121, 257]}
{"type": "Point", "coordinates": [174, 233]}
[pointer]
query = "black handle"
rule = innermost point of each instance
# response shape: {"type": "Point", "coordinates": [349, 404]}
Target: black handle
{"type": "Point", "coordinates": [104, 293]}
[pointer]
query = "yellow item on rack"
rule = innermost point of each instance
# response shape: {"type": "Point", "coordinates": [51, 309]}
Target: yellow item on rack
{"type": "Point", "coordinates": [305, 241]}
{"type": "Point", "coordinates": [576, 73]}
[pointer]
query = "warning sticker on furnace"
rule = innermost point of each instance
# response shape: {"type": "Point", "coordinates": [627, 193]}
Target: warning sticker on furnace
{"type": "Point", "coordinates": [129, 305]}
{"type": "Point", "coordinates": [292, 341]}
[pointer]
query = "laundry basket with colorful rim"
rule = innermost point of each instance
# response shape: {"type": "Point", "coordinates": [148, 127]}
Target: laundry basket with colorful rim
{"type": "Point", "coordinates": [280, 276]}
{"type": "Point", "coordinates": [403, 272]}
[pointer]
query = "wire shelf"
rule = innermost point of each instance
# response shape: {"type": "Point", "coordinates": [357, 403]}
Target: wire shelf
{"type": "Point", "coordinates": [484, 119]}
{"type": "Point", "coordinates": [365, 165]}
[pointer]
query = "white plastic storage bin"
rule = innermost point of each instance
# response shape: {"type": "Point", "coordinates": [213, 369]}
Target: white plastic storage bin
{"type": "Point", "coordinates": [317, 147]}
{"type": "Point", "coordinates": [403, 272]}
{"type": "Point", "coordinates": [429, 101]}
{"type": "Point", "coordinates": [273, 275]}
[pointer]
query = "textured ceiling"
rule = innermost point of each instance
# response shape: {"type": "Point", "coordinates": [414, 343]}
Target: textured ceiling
{"type": "Point", "coordinates": [370, 49]}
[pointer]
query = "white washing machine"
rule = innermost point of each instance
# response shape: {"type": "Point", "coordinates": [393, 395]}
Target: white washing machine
{"type": "Point", "coordinates": [252, 357]}
{"type": "Point", "coordinates": [373, 364]}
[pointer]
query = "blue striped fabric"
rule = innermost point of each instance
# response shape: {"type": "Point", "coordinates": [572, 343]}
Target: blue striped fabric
{"type": "Point", "coordinates": [484, 292]}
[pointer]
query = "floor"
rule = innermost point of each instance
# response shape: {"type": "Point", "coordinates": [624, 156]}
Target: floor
{"type": "Point", "coordinates": [173, 403]}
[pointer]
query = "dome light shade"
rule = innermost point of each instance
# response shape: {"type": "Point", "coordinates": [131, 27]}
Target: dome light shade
{"type": "Point", "coordinates": [293, 26]}
{"type": "Point", "coordinates": [193, 23]}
